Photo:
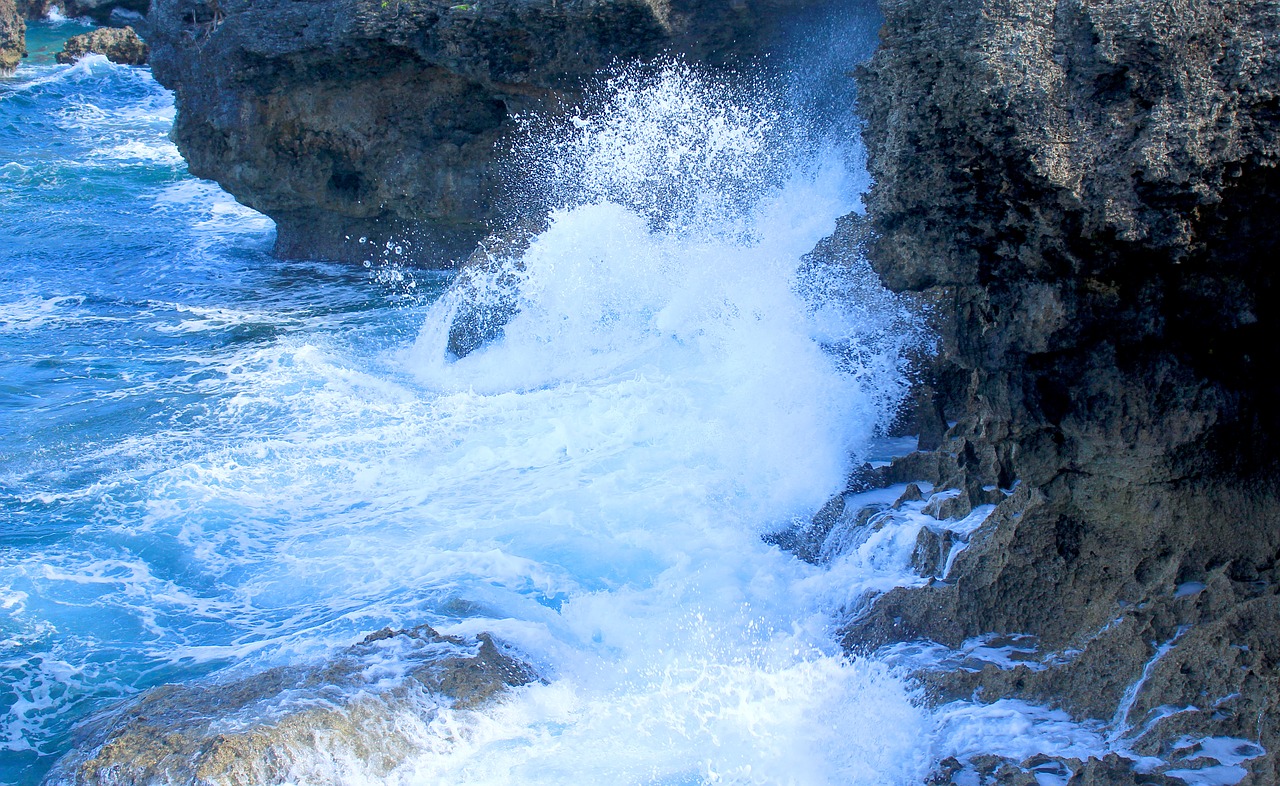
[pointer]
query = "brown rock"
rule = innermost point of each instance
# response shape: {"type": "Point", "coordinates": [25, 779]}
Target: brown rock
{"type": "Point", "coordinates": [1086, 189]}
{"type": "Point", "coordinates": [260, 729]}
{"type": "Point", "coordinates": [118, 44]}
{"type": "Point", "coordinates": [13, 42]}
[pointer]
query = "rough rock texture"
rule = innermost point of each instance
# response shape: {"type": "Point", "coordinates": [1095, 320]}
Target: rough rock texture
{"type": "Point", "coordinates": [119, 44]}
{"type": "Point", "coordinates": [1088, 190]}
{"type": "Point", "coordinates": [13, 37]}
{"type": "Point", "coordinates": [265, 729]}
{"type": "Point", "coordinates": [382, 119]}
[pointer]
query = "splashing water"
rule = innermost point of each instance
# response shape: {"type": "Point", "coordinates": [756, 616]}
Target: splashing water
{"type": "Point", "coordinates": [214, 462]}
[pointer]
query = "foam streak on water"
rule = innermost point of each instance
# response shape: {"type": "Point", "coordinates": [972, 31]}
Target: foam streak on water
{"type": "Point", "coordinates": [212, 462]}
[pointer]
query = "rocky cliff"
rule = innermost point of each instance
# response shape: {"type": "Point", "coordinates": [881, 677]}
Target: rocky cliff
{"type": "Point", "coordinates": [13, 44]}
{"type": "Point", "coordinates": [361, 123]}
{"type": "Point", "coordinates": [1087, 191]}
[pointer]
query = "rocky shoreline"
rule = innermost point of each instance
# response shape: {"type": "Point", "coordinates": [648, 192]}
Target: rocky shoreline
{"type": "Point", "coordinates": [1083, 193]}
{"type": "Point", "coordinates": [364, 704]}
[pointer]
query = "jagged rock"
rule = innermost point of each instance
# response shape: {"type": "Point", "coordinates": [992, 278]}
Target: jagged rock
{"type": "Point", "coordinates": [1086, 188]}
{"type": "Point", "coordinates": [350, 119]}
{"type": "Point", "coordinates": [258, 730]}
{"type": "Point", "coordinates": [933, 547]}
{"type": "Point", "coordinates": [951, 507]}
{"type": "Point", "coordinates": [485, 294]}
{"type": "Point", "coordinates": [911, 494]}
{"type": "Point", "coordinates": [118, 44]}
{"type": "Point", "coordinates": [13, 37]}
{"type": "Point", "coordinates": [806, 541]}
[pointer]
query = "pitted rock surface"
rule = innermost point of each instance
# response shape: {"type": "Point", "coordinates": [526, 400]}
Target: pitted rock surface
{"type": "Point", "coordinates": [384, 120]}
{"type": "Point", "coordinates": [262, 729]}
{"type": "Point", "coordinates": [1084, 189]}
{"type": "Point", "coordinates": [118, 44]}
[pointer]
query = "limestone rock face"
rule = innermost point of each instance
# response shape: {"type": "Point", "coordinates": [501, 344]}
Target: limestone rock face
{"type": "Point", "coordinates": [119, 44]}
{"type": "Point", "coordinates": [13, 37]}
{"type": "Point", "coordinates": [363, 706]}
{"type": "Point", "coordinates": [382, 120]}
{"type": "Point", "coordinates": [1086, 189]}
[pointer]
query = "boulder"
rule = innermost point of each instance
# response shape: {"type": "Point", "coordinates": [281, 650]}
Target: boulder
{"type": "Point", "coordinates": [118, 44]}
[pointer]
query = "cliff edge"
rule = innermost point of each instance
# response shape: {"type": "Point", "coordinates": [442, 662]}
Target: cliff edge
{"type": "Point", "coordinates": [355, 124]}
{"type": "Point", "coordinates": [1086, 189]}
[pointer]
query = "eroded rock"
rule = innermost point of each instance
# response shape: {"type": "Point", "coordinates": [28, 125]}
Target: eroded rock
{"type": "Point", "coordinates": [1084, 190]}
{"type": "Point", "coordinates": [13, 37]}
{"type": "Point", "coordinates": [118, 44]}
{"type": "Point", "coordinates": [350, 119]}
{"type": "Point", "coordinates": [363, 706]}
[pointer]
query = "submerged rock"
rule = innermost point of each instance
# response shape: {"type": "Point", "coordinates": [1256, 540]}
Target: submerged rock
{"type": "Point", "coordinates": [1085, 191]}
{"type": "Point", "coordinates": [118, 44]}
{"type": "Point", "coordinates": [350, 119]}
{"type": "Point", "coordinates": [13, 37]}
{"type": "Point", "coordinates": [485, 296]}
{"type": "Point", "coordinates": [363, 706]}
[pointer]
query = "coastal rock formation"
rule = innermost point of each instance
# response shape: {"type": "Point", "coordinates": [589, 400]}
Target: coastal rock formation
{"type": "Point", "coordinates": [363, 126]}
{"type": "Point", "coordinates": [361, 706]}
{"type": "Point", "coordinates": [13, 42]}
{"type": "Point", "coordinates": [118, 44]}
{"type": "Point", "coordinates": [1086, 191]}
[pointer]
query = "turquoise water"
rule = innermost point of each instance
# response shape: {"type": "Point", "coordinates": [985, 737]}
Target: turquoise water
{"type": "Point", "coordinates": [131, 298]}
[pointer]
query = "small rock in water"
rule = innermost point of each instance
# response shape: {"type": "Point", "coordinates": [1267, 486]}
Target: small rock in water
{"type": "Point", "coordinates": [487, 289]}
{"type": "Point", "coordinates": [119, 45]}
{"type": "Point", "coordinates": [911, 494]}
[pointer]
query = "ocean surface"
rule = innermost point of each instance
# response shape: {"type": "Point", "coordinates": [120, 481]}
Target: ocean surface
{"type": "Point", "coordinates": [213, 462]}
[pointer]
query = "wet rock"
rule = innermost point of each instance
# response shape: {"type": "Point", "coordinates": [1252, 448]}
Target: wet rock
{"type": "Point", "coordinates": [13, 37]}
{"type": "Point", "coordinates": [806, 541]}
{"type": "Point", "coordinates": [118, 44]}
{"type": "Point", "coordinates": [385, 121]}
{"type": "Point", "coordinates": [486, 293]}
{"type": "Point", "coordinates": [263, 729]}
{"type": "Point", "coordinates": [933, 547]}
{"type": "Point", "coordinates": [1083, 189]}
{"type": "Point", "coordinates": [949, 506]}
{"type": "Point", "coordinates": [911, 494]}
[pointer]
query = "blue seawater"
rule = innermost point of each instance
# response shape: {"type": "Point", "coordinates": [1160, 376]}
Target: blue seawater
{"type": "Point", "coordinates": [134, 300]}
